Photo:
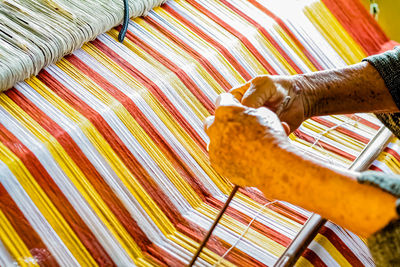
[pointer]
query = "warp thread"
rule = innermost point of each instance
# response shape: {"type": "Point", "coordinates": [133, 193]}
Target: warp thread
{"type": "Point", "coordinates": [34, 34]}
{"type": "Point", "coordinates": [351, 122]}
{"type": "Point", "coordinates": [244, 231]}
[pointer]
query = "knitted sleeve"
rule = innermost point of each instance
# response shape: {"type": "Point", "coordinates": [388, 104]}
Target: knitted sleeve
{"type": "Point", "coordinates": [385, 244]}
{"type": "Point", "coordinates": [388, 66]}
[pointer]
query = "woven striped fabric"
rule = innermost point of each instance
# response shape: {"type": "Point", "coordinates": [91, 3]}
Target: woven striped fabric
{"type": "Point", "coordinates": [103, 157]}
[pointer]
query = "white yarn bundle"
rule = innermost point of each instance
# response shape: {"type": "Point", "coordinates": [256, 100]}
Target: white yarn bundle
{"type": "Point", "coordinates": [36, 33]}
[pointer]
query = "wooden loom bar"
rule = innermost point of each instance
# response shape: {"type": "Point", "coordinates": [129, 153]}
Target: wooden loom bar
{"type": "Point", "coordinates": [313, 225]}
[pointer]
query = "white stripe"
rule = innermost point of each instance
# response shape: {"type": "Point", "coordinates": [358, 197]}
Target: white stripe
{"type": "Point", "coordinates": [35, 218]}
{"type": "Point", "coordinates": [219, 34]}
{"type": "Point", "coordinates": [125, 135]}
{"type": "Point", "coordinates": [159, 80]}
{"type": "Point", "coordinates": [85, 211]}
{"type": "Point", "coordinates": [251, 33]}
{"type": "Point", "coordinates": [195, 42]}
{"type": "Point", "coordinates": [131, 204]}
{"type": "Point", "coordinates": [154, 119]}
{"type": "Point", "coordinates": [323, 254]}
{"type": "Point", "coordinates": [261, 254]}
{"type": "Point", "coordinates": [5, 258]}
{"type": "Point", "coordinates": [330, 141]}
{"type": "Point", "coordinates": [353, 242]}
{"type": "Point", "coordinates": [385, 168]}
{"type": "Point", "coordinates": [305, 31]}
{"type": "Point", "coordinates": [268, 24]}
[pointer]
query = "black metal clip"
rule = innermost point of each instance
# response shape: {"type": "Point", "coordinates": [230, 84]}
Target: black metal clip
{"type": "Point", "coordinates": [124, 29]}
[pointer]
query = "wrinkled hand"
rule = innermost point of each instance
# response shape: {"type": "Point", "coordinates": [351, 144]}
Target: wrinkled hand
{"type": "Point", "coordinates": [245, 142]}
{"type": "Point", "coordinates": [281, 94]}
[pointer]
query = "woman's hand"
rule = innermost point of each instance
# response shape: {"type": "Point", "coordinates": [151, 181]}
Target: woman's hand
{"type": "Point", "coordinates": [243, 138]}
{"type": "Point", "coordinates": [281, 94]}
{"type": "Point", "coordinates": [250, 147]}
{"type": "Point", "coordinates": [353, 89]}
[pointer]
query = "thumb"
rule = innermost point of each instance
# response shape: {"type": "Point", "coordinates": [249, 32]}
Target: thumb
{"type": "Point", "coordinates": [238, 92]}
{"type": "Point", "coordinates": [254, 97]}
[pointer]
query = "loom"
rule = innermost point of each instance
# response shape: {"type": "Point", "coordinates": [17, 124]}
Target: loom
{"type": "Point", "coordinates": [103, 158]}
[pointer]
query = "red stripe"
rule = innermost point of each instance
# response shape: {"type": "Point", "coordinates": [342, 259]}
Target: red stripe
{"type": "Point", "coordinates": [358, 23]}
{"type": "Point", "coordinates": [128, 159]}
{"type": "Point", "coordinates": [154, 89]}
{"type": "Point", "coordinates": [180, 73]}
{"type": "Point", "coordinates": [340, 246]}
{"type": "Point", "coordinates": [56, 196]}
{"type": "Point", "coordinates": [288, 32]}
{"type": "Point", "coordinates": [312, 257]}
{"type": "Point", "coordinates": [219, 247]}
{"type": "Point", "coordinates": [179, 165]}
{"type": "Point", "coordinates": [183, 225]}
{"type": "Point", "coordinates": [236, 33]}
{"type": "Point", "coordinates": [115, 142]}
{"type": "Point", "coordinates": [392, 152]}
{"type": "Point", "coordinates": [192, 52]}
{"type": "Point", "coordinates": [273, 235]}
{"type": "Point", "coordinates": [266, 34]}
{"type": "Point", "coordinates": [363, 121]}
{"type": "Point", "coordinates": [24, 230]}
{"type": "Point", "coordinates": [210, 40]}
{"type": "Point", "coordinates": [90, 172]}
{"type": "Point", "coordinates": [374, 168]}
{"type": "Point", "coordinates": [342, 130]}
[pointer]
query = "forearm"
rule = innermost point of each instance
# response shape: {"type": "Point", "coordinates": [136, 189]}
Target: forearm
{"type": "Point", "coordinates": [356, 88]}
{"type": "Point", "coordinates": [334, 194]}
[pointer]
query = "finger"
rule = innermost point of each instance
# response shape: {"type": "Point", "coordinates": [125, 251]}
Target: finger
{"type": "Point", "coordinates": [226, 100]}
{"type": "Point", "coordinates": [228, 107]}
{"type": "Point", "coordinates": [238, 92]}
{"type": "Point", "coordinates": [254, 97]}
{"type": "Point", "coordinates": [208, 122]}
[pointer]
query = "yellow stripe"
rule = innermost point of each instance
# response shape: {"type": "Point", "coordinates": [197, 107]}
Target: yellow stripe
{"type": "Point", "coordinates": [181, 53]}
{"type": "Point", "coordinates": [289, 41]}
{"type": "Point", "coordinates": [335, 136]}
{"type": "Point", "coordinates": [239, 47]}
{"type": "Point", "coordinates": [331, 249]}
{"type": "Point", "coordinates": [237, 227]}
{"type": "Point", "coordinates": [173, 81]}
{"type": "Point", "coordinates": [43, 203]}
{"type": "Point", "coordinates": [390, 161]}
{"type": "Point", "coordinates": [14, 244]}
{"type": "Point", "coordinates": [164, 115]}
{"type": "Point", "coordinates": [334, 33]}
{"type": "Point", "coordinates": [258, 35]}
{"type": "Point", "coordinates": [151, 208]}
{"type": "Point", "coordinates": [136, 131]}
{"type": "Point", "coordinates": [303, 262]}
{"type": "Point", "coordinates": [75, 175]}
{"type": "Point", "coordinates": [189, 33]}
